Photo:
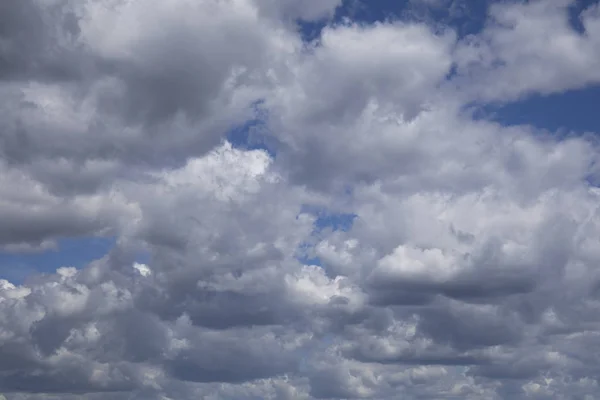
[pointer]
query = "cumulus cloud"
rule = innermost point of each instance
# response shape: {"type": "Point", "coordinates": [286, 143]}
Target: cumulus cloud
{"type": "Point", "coordinates": [530, 47]}
{"type": "Point", "coordinates": [469, 269]}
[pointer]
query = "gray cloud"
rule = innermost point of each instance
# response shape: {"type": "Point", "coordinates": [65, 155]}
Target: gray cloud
{"type": "Point", "coordinates": [469, 270]}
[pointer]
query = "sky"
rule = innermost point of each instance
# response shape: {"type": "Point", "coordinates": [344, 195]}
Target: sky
{"type": "Point", "coordinates": [299, 199]}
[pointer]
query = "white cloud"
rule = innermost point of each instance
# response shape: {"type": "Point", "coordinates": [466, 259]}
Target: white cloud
{"type": "Point", "coordinates": [529, 47]}
{"type": "Point", "coordinates": [470, 267]}
{"type": "Point", "coordinates": [143, 269]}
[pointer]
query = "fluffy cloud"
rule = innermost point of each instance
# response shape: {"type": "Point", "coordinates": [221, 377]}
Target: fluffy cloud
{"type": "Point", "coordinates": [530, 47]}
{"type": "Point", "coordinates": [469, 268]}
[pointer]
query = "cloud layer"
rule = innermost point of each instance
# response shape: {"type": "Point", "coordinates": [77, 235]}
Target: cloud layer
{"type": "Point", "coordinates": [371, 239]}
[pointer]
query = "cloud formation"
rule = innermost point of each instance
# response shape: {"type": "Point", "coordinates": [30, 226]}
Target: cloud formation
{"type": "Point", "coordinates": [469, 269]}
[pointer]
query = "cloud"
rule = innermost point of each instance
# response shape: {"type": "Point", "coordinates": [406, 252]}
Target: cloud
{"type": "Point", "coordinates": [468, 265]}
{"type": "Point", "coordinates": [119, 94]}
{"type": "Point", "coordinates": [35, 217]}
{"type": "Point", "coordinates": [305, 10]}
{"type": "Point", "coordinates": [527, 48]}
{"type": "Point", "coordinates": [341, 93]}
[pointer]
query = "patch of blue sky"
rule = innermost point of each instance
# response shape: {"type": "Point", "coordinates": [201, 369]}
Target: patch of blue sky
{"type": "Point", "coordinates": [325, 221]}
{"type": "Point", "coordinates": [329, 220]}
{"type": "Point", "coordinates": [253, 133]}
{"type": "Point", "coordinates": [242, 136]}
{"type": "Point", "coordinates": [335, 221]}
{"type": "Point", "coordinates": [465, 17]}
{"type": "Point", "coordinates": [305, 254]}
{"type": "Point", "coordinates": [574, 111]}
{"type": "Point", "coordinates": [575, 9]}
{"type": "Point", "coordinates": [69, 252]}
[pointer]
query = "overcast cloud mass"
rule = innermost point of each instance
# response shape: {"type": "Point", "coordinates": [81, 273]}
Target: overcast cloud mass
{"type": "Point", "coordinates": [296, 216]}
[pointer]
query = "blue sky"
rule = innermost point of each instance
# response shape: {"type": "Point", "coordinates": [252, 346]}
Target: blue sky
{"type": "Point", "coordinates": [69, 252]}
{"type": "Point", "coordinates": [572, 111]}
